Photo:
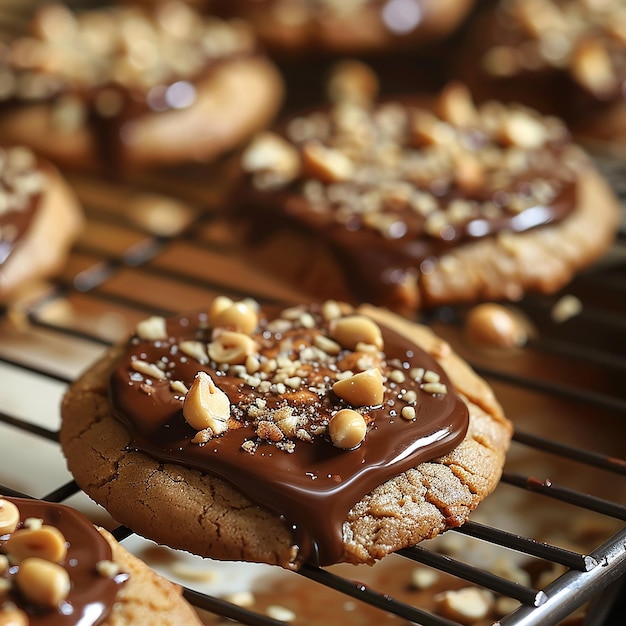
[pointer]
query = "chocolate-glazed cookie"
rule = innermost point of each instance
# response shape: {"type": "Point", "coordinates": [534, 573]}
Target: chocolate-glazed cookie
{"type": "Point", "coordinates": [413, 203]}
{"type": "Point", "coordinates": [316, 433]}
{"type": "Point", "coordinates": [126, 86]}
{"type": "Point", "coordinates": [39, 219]}
{"type": "Point", "coordinates": [57, 569]}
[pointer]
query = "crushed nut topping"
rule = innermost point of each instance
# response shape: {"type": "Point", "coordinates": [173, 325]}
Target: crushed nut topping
{"type": "Point", "coordinates": [455, 170]}
{"type": "Point", "coordinates": [304, 373]}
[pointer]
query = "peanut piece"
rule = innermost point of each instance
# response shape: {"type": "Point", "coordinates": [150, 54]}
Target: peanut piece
{"type": "Point", "coordinates": [522, 129]}
{"type": "Point", "coordinates": [12, 616]}
{"type": "Point", "coordinates": [107, 569]}
{"type": "Point", "coordinates": [218, 305]}
{"type": "Point", "coordinates": [326, 164]}
{"type": "Point", "coordinates": [493, 325]}
{"type": "Point", "coordinates": [195, 349]}
{"type": "Point", "coordinates": [43, 583]}
{"type": "Point", "coordinates": [231, 347]}
{"type": "Point", "coordinates": [9, 517]}
{"type": "Point", "coordinates": [240, 316]}
{"type": "Point", "coordinates": [352, 81]}
{"type": "Point", "coordinates": [423, 577]}
{"type": "Point", "coordinates": [280, 613]}
{"type": "Point", "coordinates": [46, 543]}
{"type": "Point", "coordinates": [456, 105]}
{"type": "Point", "coordinates": [206, 406]}
{"type": "Point", "coordinates": [269, 153]}
{"type": "Point", "coordinates": [593, 68]}
{"type": "Point", "coordinates": [152, 328]}
{"type": "Point", "coordinates": [465, 605]}
{"type": "Point", "coordinates": [347, 429]}
{"type": "Point", "coordinates": [148, 369]}
{"type": "Point", "coordinates": [362, 389]}
{"type": "Point", "coordinates": [354, 329]}
{"type": "Point", "coordinates": [565, 308]}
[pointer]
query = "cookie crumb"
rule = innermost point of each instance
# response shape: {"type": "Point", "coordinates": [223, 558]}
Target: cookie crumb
{"type": "Point", "coordinates": [565, 308]}
{"type": "Point", "coordinates": [244, 599]}
{"type": "Point", "coordinates": [465, 605]}
{"type": "Point", "coordinates": [280, 613]}
{"type": "Point", "coordinates": [423, 578]}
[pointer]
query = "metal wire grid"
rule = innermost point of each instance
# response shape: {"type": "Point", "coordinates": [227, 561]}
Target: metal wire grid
{"type": "Point", "coordinates": [136, 266]}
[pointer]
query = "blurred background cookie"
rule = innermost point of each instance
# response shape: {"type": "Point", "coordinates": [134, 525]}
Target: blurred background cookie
{"type": "Point", "coordinates": [39, 219]}
{"type": "Point", "coordinates": [564, 57]}
{"type": "Point", "coordinates": [411, 203]}
{"type": "Point", "coordinates": [126, 86]}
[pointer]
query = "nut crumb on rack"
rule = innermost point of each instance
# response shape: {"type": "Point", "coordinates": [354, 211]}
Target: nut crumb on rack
{"type": "Point", "coordinates": [465, 605]}
{"type": "Point", "coordinates": [494, 325]}
{"type": "Point", "coordinates": [565, 308]}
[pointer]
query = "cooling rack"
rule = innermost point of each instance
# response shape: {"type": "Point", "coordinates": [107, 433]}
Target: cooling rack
{"type": "Point", "coordinates": [157, 246]}
{"type": "Point", "coordinates": [549, 542]}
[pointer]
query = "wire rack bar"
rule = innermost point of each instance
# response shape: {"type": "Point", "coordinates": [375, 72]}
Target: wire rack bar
{"type": "Point", "coordinates": [528, 546]}
{"type": "Point", "coordinates": [599, 400]}
{"type": "Point", "coordinates": [229, 610]}
{"type": "Point", "coordinates": [574, 588]}
{"type": "Point", "coordinates": [584, 456]}
{"type": "Point", "coordinates": [475, 575]}
{"type": "Point", "coordinates": [547, 488]}
{"type": "Point", "coordinates": [28, 427]}
{"type": "Point", "coordinates": [364, 593]}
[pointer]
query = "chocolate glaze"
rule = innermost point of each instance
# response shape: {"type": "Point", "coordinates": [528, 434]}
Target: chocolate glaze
{"type": "Point", "coordinates": [313, 487]}
{"type": "Point", "coordinates": [18, 219]}
{"type": "Point", "coordinates": [92, 595]}
{"type": "Point", "coordinates": [377, 257]}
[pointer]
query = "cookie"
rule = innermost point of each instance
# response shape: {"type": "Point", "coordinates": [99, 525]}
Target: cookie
{"type": "Point", "coordinates": [335, 26]}
{"type": "Point", "coordinates": [39, 220]}
{"type": "Point", "coordinates": [421, 202]}
{"type": "Point", "coordinates": [564, 57]}
{"type": "Point", "coordinates": [56, 567]}
{"type": "Point", "coordinates": [315, 433]}
{"type": "Point", "coordinates": [125, 87]}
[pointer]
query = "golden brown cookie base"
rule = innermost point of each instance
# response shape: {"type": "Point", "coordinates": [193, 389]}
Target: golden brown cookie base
{"type": "Point", "coordinates": [186, 509]}
{"type": "Point", "coordinates": [41, 252]}
{"type": "Point", "coordinates": [223, 116]}
{"type": "Point", "coordinates": [146, 599]}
